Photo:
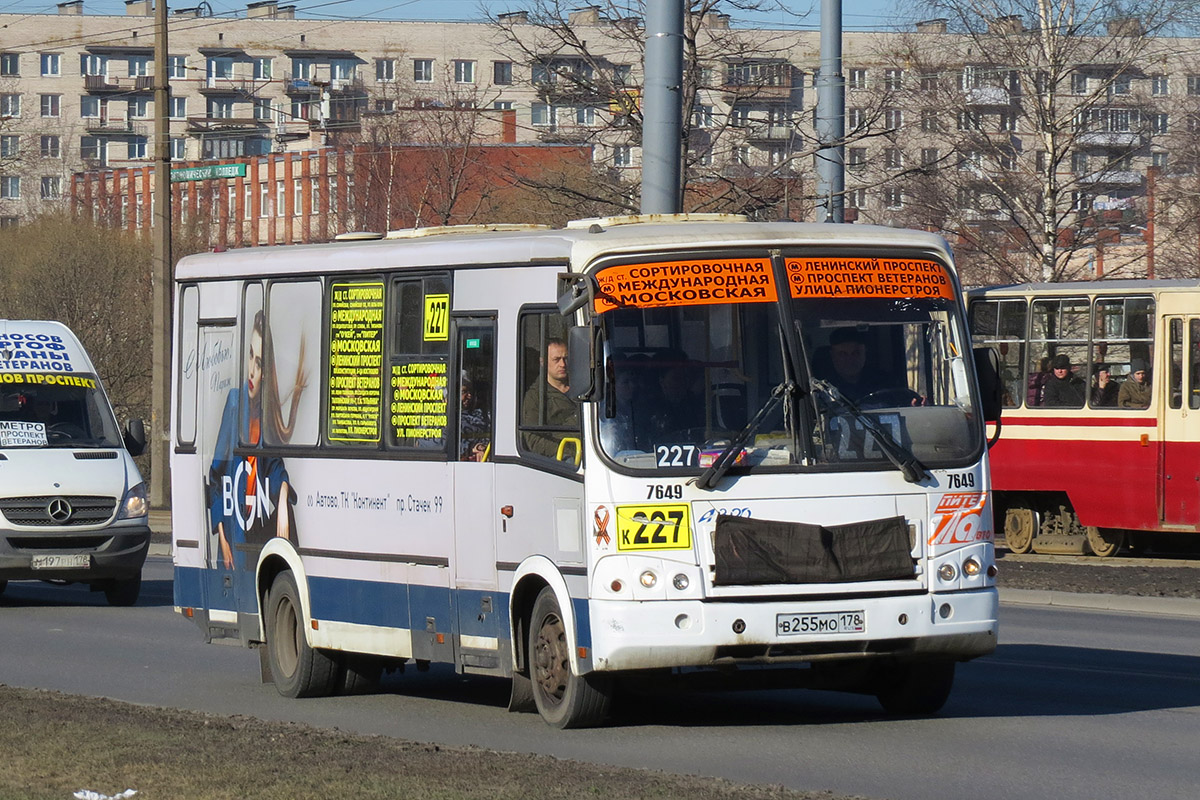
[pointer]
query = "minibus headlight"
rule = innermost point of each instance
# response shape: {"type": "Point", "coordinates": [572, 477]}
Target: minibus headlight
{"type": "Point", "coordinates": [649, 579]}
{"type": "Point", "coordinates": [135, 504]}
{"type": "Point", "coordinates": [971, 568]}
{"type": "Point", "coordinates": [946, 572]}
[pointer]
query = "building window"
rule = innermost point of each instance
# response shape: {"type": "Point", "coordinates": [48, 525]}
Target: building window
{"type": "Point", "coordinates": [1159, 123]}
{"type": "Point", "coordinates": [178, 107]}
{"type": "Point", "coordinates": [739, 116]}
{"type": "Point", "coordinates": [93, 65]}
{"type": "Point", "coordinates": [302, 69]}
{"type": "Point", "coordinates": [51, 104]}
{"type": "Point", "coordinates": [502, 73]}
{"type": "Point", "coordinates": [1158, 159]}
{"type": "Point", "coordinates": [139, 107]}
{"type": "Point", "coordinates": [893, 197]}
{"type": "Point", "coordinates": [343, 69]}
{"type": "Point", "coordinates": [10, 105]}
{"type": "Point", "coordinates": [423, 70]}
{"type": "Point", "coordinates": [89, 107]}
{"type": "Point", "coordinates": [622, 155]}
{"type": "Point", "coordinates": [177, 67]}
{"type": "Point", "coordinates": [262, 108]}
{"type": "Point", "coordinates": [220, 108]}
{"type": "Point", "coordinates": [51, 187]}
{"type": "Point", "coordinates": [263, 68]}
{"type": "Point", "coordinates": [929, 81]}
{"type": "Point", "coordinates": [10, 146]}
{"type": "Point", "coordinates": [1079, 83]}
{"type": "Point", "coordinates": [136, 147]}
{"type": "Point", "coordinates": [10, 187]}
{"type": "Point", "coordinates": [929, 157]}
{"type": "Point", "coordinates": [893, 158]}
{"type": "Point", "coordinates": [1006, 121]}
{"type": "Point", "coordinates": [300, 109]}
{"type": "Point", "coordinates": [854, 119]}
{"type": "Point", "coordinates": [385, 70]}
{"type": "Point", "coordinates": [893, 79]}
{"type": "Point", "coordinates": [1122, 84]}
{"type": "Point", "coordinates": [386, 106]}
{"type": "Point", "coordinates": [929, 121]}
{"type": "Point", "coordinates": [856, 79]}
{"type": "Point", "coordinates": [1079, 163]}
{"type": "Point", "coordinates": [968, 121]}
{"type": "Point", "coordinates": [464, 71]}
{"type": "Point", "coordinates": [585, 115]}
{"type": "Point", "coordinates": [893, 119]}
{"type": "Point", "coordinates": [541, 114]}
{"type": "Point", "coordinates": [856, 198]}
{"type": "Point", "coordinates": [51, 146]}
{"type": "Point", "coordinates": [741, 155]}
{"type": "Point", "coordinates": [856, 158]}
{"type": "Point", "coordinates": [703, 117]}
{"type": "Point", "coordinates": [1193, 84]}
{"type": "Point", "coordinates": [502, 105]}
{"type": "Point", "coordinates": [139, 66]}
{"type": "Point", "coordinates": [92, 148]}
{"type": "Point", "coordinates": [178, 148]}
{"type": "Point", "coordinates": [51, 65]}
{"type": "Point", "coordinates": [220, 67]}
{"type": "Point", "coordinates": [264, 201]}
{"type": "Point", "coordinates": [1159, 85]}
{"type": "Point", "coordinates": [10, 65]}
{"type": "Point", "coordinates": [9, 222]}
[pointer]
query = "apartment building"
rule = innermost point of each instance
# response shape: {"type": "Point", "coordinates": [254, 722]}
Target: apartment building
{"type": "Point", "coordinates": [76, 95]}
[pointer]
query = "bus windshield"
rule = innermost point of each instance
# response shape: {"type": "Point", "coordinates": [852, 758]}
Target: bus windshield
{"type": "Point", "coordinates": [683, 382]}
{"type": "Point", "coordinates": [56, 411]}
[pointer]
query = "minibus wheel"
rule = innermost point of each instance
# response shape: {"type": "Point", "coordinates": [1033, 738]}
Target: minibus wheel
{"type": "Point", "coordinates": [297, 669]}
{"type": "Point", "coordinates": [564, 699]}
{"type": "Point", "coordinates": [914, 688]}
{"type": "Point", "coordinates": [123, 591]}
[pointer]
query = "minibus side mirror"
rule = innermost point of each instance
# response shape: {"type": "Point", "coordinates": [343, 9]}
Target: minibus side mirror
{"type": "Point", "coordinates": [135, 436]}
{"type": "Point", "coordinates": [582, 364]}
{"type": "Point", "coordinates": [991, 389]}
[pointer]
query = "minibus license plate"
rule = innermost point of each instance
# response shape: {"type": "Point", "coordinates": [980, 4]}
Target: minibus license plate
{"type": "Point", "coordinates": [820, 623]}
{"type": "Point", "coordinates": [75, 561]}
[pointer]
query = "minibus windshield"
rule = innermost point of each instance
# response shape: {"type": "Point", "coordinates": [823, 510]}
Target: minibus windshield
{"type": "Point", "coordinates": [56, 411]}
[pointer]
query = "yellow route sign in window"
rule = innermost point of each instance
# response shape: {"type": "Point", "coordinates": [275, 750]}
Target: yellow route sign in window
{"type": "Point", "coordinates": [654, 527]}
{"type": "Point", "coordinates": [437, 317]}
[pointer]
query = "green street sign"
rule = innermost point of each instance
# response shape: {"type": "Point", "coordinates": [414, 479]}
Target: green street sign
{"type": "Point", "coordinates": [206, 173]}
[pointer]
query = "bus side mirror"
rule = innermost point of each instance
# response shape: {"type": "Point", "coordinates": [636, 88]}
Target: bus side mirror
{"type": "Point", "coordinates": [135, 437]}
{"type": "Point", "coordinates": [582, 364]}
{"type": "Point", "coordinates": [991, 390]}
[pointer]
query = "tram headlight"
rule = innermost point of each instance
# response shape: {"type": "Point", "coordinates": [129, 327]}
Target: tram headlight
{"type": "Point", "coordinates": [947, 572]}
{"type": "Point", "coordinates": [649, 579]}
{"type": "Point", "coordinates": [971, 568]}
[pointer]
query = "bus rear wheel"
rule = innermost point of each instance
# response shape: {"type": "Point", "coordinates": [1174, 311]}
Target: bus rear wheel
{"type": "Point", "coordinates": [564, 699]}
{"type": "Point", "coordinates": [297, 669]}
{"type": "Point", "coordinates": [915, 688]}
{"type": "Point", "coordinates": [1104, 542]}
{"type": "Point", "coordinates": [1020, 525]}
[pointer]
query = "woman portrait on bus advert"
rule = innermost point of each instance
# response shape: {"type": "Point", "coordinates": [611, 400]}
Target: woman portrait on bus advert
{"type": "Point", "coordinates": [249, 497]}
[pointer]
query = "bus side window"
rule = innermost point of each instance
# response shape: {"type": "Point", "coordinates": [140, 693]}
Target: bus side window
{"type": "Point", "coordinates": [549, 421]}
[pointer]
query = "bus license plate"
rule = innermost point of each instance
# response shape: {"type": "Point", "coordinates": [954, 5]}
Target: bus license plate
{"type": "Point", "coordinates": [75, 561]}
{"type": "Point", "coordinates": [820, 623]}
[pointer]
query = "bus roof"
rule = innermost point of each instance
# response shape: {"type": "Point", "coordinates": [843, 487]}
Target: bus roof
{"type": "Point", "coordinates": [1068, 288]}
{"type": "Point", "coordinates": [577, 245]}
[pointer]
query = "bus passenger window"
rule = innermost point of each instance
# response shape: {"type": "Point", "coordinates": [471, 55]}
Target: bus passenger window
{"type": "Point", "coordinates": [550, 424]}
{"type": "Point", "coordinates": [476, 390]}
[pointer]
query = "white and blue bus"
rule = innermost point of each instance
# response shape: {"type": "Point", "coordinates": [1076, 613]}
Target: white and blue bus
{"type": "Point", "coordinates": [571, 456]}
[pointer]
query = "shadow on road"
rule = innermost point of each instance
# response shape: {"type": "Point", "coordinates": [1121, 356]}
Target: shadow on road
{"type": "Point", "coordinates": [42, 593]}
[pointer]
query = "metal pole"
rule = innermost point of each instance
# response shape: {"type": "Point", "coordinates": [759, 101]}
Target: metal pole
{"type": "Point", "coordinates": [162, 273]}
{"type": "Point", "coordinates": [831, 118]}
{"type": "Point", "coordinates": [662, 108]}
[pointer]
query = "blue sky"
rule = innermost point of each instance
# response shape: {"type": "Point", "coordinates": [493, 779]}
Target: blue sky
{"type": "Point", "coordinates": [857, 14]}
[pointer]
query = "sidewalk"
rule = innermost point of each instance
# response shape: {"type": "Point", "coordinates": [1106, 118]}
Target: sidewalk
{"type": "Point", "coordinates": [160, 545]}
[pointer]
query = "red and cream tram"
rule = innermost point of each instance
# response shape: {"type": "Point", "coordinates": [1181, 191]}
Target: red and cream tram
{"type": "Point", "coordinates": [1100, 444]}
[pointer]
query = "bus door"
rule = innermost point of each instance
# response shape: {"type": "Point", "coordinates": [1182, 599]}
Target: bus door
{"type": "Point", "coordinates": [480, 615]}
{"type": "Point", "coordinates": [1180, 424]}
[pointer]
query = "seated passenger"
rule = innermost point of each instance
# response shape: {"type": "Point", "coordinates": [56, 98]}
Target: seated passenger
{"type": "Point", "coordinates": [1063, 389]}
{"type": "Point", "coordinates": [1135, 392]}
{"type": "Point", "coordinates": [1105, 390]}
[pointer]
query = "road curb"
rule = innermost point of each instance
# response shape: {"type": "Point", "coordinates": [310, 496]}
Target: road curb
{"type": "Point", "coordinates": [1172, 606]}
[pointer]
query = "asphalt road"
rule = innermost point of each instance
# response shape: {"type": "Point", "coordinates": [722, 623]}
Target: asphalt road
{"type": "Point", "coordinates": [1074, 704]}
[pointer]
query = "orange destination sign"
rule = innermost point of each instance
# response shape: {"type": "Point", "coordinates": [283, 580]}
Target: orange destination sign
{"type": "Point", "coordinates": [868, 277]}
{"type": "Point", "coordinates": [685, 283]}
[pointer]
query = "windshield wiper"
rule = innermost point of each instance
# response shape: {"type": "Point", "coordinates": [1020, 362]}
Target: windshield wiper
{"type": "Point", "coordinates": [721, 464]}
{"type": "Point", "coordinates": [908, 464]}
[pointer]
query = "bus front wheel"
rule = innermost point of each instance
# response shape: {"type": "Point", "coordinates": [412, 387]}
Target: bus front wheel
{"type": "Point", "coordinates": [915, 688]}
{"type": "Point", "coordinates": [564, 699]}
{"type": "Point", "coordinates": [297, 669]}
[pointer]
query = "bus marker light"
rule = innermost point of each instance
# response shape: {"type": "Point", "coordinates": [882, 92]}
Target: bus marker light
{"type": "Point", "coordinates": [947, 572]}
{"type": "Point", "coordinates": [583, 652]}
{"type": "Point", "coordinates": [649, 579]}
{"type": "Point", "coordinates": [1145, 440]}
{"type": "Point", "coordinates": [945, 611]}
{"type": "Point", "coordinates": [441, 638]}
{"type": "Point", "coordinates": [680, 581]}
{"type": "Point", "coordinates": [992, 570]}
{"type": "Point", "coordinates": [971, 567]}
{"type": "Point", "coordinates": [189, 612]}
{"type": "Point", "coordinates": [316, 626]}
{"type": "Point", "coordinates": [616, 585]}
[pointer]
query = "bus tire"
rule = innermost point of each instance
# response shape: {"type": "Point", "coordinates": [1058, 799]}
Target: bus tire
{"type": "Point", "coordinates": [1104, 542]}
{"type": "Point", "coordinates": [358, 674]}
{"type": "Point", "coordinates": [564, 699]}
{"type": "Point", "coordinates": [3, 586]}
{"type": "Point", "coordinates": [915, 688]}
{"type": "Point", "coordinates": [123, 591]}
{"type": "Point", "coordinates": [298, 670]}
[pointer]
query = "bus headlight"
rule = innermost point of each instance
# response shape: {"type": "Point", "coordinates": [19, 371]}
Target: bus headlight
{"type": "Point", "coordinates": [649, 579]}
{"type": "Point", "coordinates": [971, 568]}
{"type": "Point", "coordinates": [947, 572]}
{"type": "Point", "coordinates": [680, 581]}
{"type": "Point", "coordinates": [135, 503]}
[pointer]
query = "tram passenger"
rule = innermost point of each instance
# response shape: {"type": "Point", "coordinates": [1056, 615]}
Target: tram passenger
{"type": "Point", "coordinates": [1135, 392]}
{"type": "Point", "coordinates": [1063, 389]}
{"type": "Point", "coordinates": [1106, 389]}
{"type": "Point", "coordinates": [1035, 391]}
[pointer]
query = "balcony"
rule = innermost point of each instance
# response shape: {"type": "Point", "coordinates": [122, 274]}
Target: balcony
{"type": "Point", "coordinates": [209, 124]}
{"type": "Point", "coordinates": [114, 126]}
{"type": "Point", "coordinates": [1120, 140]}
{"type": "Point", "coordinates": [989, 96]}
{"type": "Point", "coordinates": [229, 86]}
{"type": "Point", "coordinates": [760, 81]}
{"type": "Point", "coordinates": [769, 132]}
{"type": "Point", "coordinates": [102, 84]}
{"type": "Point", "coordinates": [301, 86]}
{"type": "Point", "coordinates": [1113, 177]}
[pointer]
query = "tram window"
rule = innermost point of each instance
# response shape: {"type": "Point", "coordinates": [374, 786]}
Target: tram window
{"type": "Point", "coordinates": [1175, 380]}
{"type": "Point", "coordinates": [1058, 330]}
{"type": "Point", "coordinates": [1193, 361]}
{"type": "Point", "coordinates": [1122, 334]}
{"type": "Point", "coordinates": [549, 426]}
{"type": "Point", "coordinates": [1001, 326]}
